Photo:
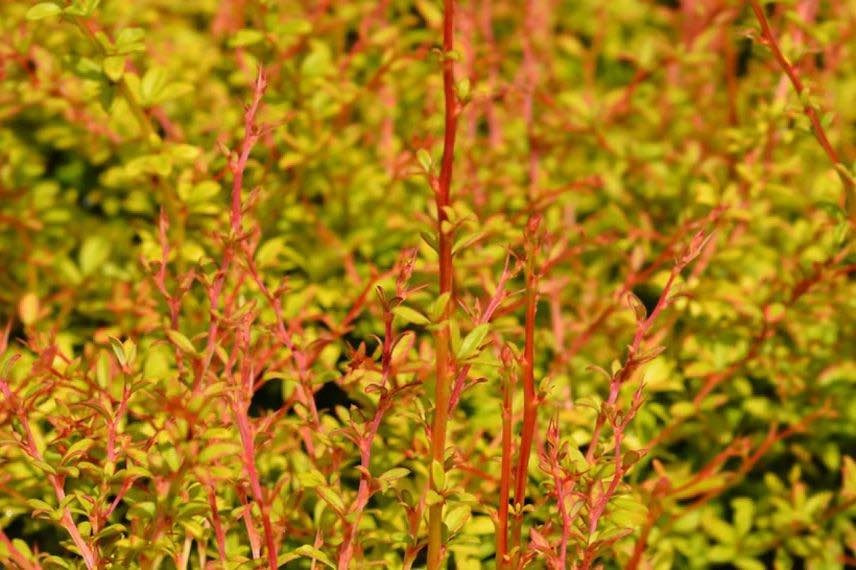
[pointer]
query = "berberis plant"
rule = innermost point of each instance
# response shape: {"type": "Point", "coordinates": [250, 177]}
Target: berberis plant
{"type": "Point", "coordinates": [410, 283]}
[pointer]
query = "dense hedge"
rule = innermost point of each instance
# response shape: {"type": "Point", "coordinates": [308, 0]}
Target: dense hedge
{"type": "Point", "coordinates": [250, 248]}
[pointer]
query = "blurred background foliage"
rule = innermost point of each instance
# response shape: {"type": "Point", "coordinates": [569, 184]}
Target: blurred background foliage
{"type": "Point", "coordinates": [648, 121]}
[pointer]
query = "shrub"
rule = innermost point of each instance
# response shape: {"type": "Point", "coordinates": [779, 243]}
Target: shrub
{"type": "Point", "coordinates": [487, 284]}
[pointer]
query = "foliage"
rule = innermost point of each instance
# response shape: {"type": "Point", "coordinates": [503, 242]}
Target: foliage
{"type": "Point", "coordinates": [252, 248]}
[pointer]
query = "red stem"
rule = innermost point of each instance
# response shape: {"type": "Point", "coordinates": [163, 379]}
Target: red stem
{"type": "Point", "coordinates": [219, 535]}
{"type": "Point", "coordinates": [789, 70]}
{"type": "Point", "coordinates": [90, 556]}
{"type": "Point", "coordinates": [819, 132]}
{"type": "Point", "coordinates": [364, 491]}
{"type": "Point", "coordinates": [530, 401]}
{"type": "Point", "coordinates": [505, 469]}
{"type": "Point", "coordinates": [249, 452]}
{"type": "Point", "coordinates": [251, 136]}
{"type": "Point", "coordinates": [443, 356]}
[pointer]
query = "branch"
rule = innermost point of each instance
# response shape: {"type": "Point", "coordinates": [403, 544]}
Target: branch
{"type": "Point", "coordinates": [819, 132]}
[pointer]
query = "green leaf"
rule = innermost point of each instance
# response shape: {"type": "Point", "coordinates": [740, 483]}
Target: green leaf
{"type": "Point", "coordinates": [425, 161]}
{"type": "Point", "coordinates": [472, 342]}
{"type": "Point", "coordinates": [156, 87]}
{"type": "Point", "coordinates": [193, 509]}
{"type": "Point", "coordinates": [454, 335]}
{"type": "Point", "coordinates": [43, 10]}
{"type": "Point", "coordinates": [44, 466]}
{"type": "Point", "coordinates": [439, 306]}
{"type": "Point", "coordinates": [93, 253]}
{"type": "Point", "coordinates": [39, 505]}
{"type": "Point", "coordinates": [438, 476]}
{"type": "Point", "coordinates": [309, 551]}
{"type": "Point", "coordinates": [463, 89]}
{"type": "Point", "coordinates": [394, 474]}
{"type": "Point", "coordinates": [129, 349]}
{"type": "Point", "coordinates": [682, 409]}
{"type": "Point", "coordinates": [433, 498]}
{"type": "Point", "coordinates": [82, 7]}
{"type": "Point", "coordinates": [411, 315]}
{"type": "Point", "coordinates": [142, 510]}
{"type": "Point", "coordinates": [202, 192]}
{"type": "Point", "coordinates": [466, 240]}
{"type": "Point", "coordinates": [114, 67]}
{"type": "Point", "coordinates": [77, 447]}
{"type": "Point", "coordinates": [331, 498]}
{"type": "Point", "coordinates": [213, 451]}
{"type": "Point", "coordinates": [137, 472]}
{"type": "Point", "coordinates": [51, 560]}
{"type": "Point", "coordinates": [719, 529]}
{"type": "Point", "coordinates": [430, 240]}
{"type": "Point", "coordinates": [181, 341]}
{"type": "Point", "coordinates": [720, 553]}
{"type": "Point", "coordinates": [246, 37]}
{"type": "Point", "coordinates": [118, 350]}
{"type": "Point", "coordinates": [153, 82]}
{"type": "Point", "coordinates": [173, 91]}
{"type": "Point", "coordinates": [457, 517]}
{"type": "Point", "coordinates": [429, 10]}
{"type": "Point", "coordinates": [102, 369]}
{"type": "Point", "coordinates": [111, 530]}
{"type": "Point", "coordinates": [130, 40]}
{"type": "Point", "coordinates": [23, 547]}
{"type": "Point", "coordinates": [295, 27]}
{"type": "Point", "coordinates": [746, 563]}
{"type": "Point", "coordinates": [318, 62]}
{"type": "Point", "coordinates": [312, 478]}
{"type": "Point", "coordinates": [744, 512]}
{"type": "Point", "coordinates": [480, 526]}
